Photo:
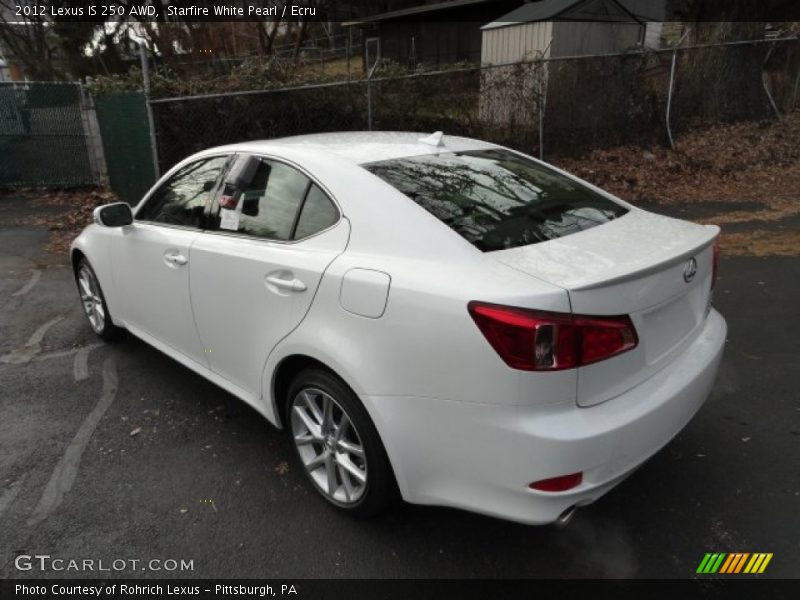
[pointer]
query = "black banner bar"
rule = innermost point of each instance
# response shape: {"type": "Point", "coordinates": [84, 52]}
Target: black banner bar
{"type": "Point", "coordinates": [404, 589]}
{"type": "Point", "coordinates": [369, 12]}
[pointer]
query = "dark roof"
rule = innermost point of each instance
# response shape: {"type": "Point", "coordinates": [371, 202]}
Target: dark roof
{"type": "Point", "coordinates": [541, 10]}
{"type": "Point", "coordinates": [570, 10]}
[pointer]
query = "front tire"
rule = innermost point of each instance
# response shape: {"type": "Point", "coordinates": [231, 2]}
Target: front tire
{"type": "Point", "coordinates": [337, 444]}
{"type": "Point", "coordinates": [94, 302]}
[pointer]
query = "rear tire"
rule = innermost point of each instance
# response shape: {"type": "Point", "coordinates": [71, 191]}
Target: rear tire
{"type": "Point", "coordinates": [337, 444]}
{"type": "Point", "coordinates": [94, 302]}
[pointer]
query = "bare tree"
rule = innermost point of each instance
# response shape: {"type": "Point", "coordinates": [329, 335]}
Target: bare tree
{"type": "Point", "coordinates": [266, 35]}
{"type": "Point", "coordinates": [300, 34]}
{"type": "Point", "coordinates": [48, 48]}
{"type": "Point", "coordinates": [27, 41]}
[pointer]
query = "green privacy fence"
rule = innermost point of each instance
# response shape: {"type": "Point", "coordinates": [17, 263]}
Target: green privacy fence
{"type": "Point", "coordinates": [126, 139]}
{"type": "Point", "coordinates": [43, 135]}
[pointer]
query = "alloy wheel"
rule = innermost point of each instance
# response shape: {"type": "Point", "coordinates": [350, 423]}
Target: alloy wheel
{"type": "Point", "coordinates": [92, 299]}
{"type": "Point", "coordinates": [329, 446]}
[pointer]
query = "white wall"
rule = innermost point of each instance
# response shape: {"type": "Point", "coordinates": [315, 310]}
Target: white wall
{"type": "Point", "coordinates": [652, 36]}
{"type": "Point", "coordinates": [517, 42]}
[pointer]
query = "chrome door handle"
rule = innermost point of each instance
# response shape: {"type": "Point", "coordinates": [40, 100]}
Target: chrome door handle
{"type": "Point", "coordinates": [294, 285]}
{"type": "Point", "coordinates": [177, 259]}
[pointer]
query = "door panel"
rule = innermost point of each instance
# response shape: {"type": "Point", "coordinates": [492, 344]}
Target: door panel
{"type": "Point", "coordinates": [151, 257]}
{"type": "Point", "coordinates": [151, 273]}
{"type": "Point", "coordinates": [247, 294]}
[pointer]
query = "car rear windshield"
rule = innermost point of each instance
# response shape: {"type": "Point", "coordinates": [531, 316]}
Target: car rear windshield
{"type": "Point", "coordinates": [497, 199]}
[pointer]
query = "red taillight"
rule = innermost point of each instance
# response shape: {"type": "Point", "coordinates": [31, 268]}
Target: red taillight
{"type": "Point", "coordinates": [715, 266]}
{"type": "Point", "coordinates": [558, 484]}
{"type": "Point", "coordinates": [533, 340]}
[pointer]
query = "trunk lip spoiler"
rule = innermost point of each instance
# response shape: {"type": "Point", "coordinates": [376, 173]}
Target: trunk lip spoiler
{"type": "Point", "coordinates": [713, 230]}
{"type": "Point", "coordinates": [650, 269]}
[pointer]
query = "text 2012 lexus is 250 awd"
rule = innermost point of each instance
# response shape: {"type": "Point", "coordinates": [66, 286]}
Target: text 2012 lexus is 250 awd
{"type": "Point", "coordinates": [434, 317]}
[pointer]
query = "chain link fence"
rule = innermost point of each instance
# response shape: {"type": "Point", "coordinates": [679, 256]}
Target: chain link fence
{"type": "Point", "coordinates": [46, 135]}
{"type": "Point", "coordinates": [548, 107]}
{"type": "Point", "coordinates": [564, 106]}
{"type": "Point", "coordinates": [184, 126]}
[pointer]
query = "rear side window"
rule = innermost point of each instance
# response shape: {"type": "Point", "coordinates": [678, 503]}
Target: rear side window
{"type": "Point", "coordinates": [181, 200]}
{"type": "Point", "coordinates": [271, 200]}
{"type": "Point", "coordinates": [318, 213]}
{"type": "Point", "coordinates": [269, 204]}
{"type": "Point", "coordinates": [497, 199]}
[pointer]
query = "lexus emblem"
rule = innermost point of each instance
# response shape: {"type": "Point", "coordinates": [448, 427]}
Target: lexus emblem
{"type": "Point", "coordinates": [689, 269]}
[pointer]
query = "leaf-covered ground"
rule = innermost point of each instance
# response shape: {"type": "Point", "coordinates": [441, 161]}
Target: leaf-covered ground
{"type": "Point", "coordinates": [744, 177]}
{"type": "Point", "coordinates": [734, 163]}
{"type": "Point", "coordinates": [64, 212]}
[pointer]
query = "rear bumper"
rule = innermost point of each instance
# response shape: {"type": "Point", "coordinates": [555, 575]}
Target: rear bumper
{"type": "Point", "coordinates": [482, 457]}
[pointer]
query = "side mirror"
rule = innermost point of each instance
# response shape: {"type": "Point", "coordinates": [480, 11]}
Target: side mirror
{"type": "Point", "coordinates": [118, 214]}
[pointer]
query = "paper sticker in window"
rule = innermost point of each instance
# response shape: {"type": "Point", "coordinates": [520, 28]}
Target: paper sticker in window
{"type": "Point", "coordinates": [229, 219]}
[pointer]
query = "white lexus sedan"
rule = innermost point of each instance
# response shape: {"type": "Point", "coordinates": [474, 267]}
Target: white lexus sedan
{"type": "Point", "coordinates": [431, 317]}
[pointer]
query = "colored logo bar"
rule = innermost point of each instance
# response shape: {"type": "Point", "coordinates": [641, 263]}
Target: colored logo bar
{"type": "Point", "coordinates": [734, 562]}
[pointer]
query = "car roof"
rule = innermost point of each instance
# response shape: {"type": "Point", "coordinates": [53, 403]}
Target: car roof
{"type": "Point", "coordinates": [363, 147]}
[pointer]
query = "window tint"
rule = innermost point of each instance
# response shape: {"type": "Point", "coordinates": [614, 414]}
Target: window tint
{"type": "Point", "coordinates": [181, 200]}
{"type": "Point", "coordinates": [318, 213]}
{"type": "Point", "coordinates": [267, 207]}
{"type": "Point", "coordinates": [497, 199]}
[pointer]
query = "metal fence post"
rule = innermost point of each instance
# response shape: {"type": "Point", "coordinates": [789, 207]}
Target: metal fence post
{"type": "Point", "coordinates": [94, 141]}
{"type": "Point", "coordinates": [369, 103]}
{"type": "Point", "coordinates": [543, 76]}
{"type": "Point", "coordinates": [671, 83]}
{"type": "Point", "coordinates": [796, 87]}
{"type": "Point", "coordinates": [348, 49]}
{"type": "Point", "coordinates": [370, 72]}
{"type": "Point", "coordinates": [669, 98]}
{"type": "Point", "coordinates": [765, 84]}
{"type": "Point", "coordinates": [150, 123]}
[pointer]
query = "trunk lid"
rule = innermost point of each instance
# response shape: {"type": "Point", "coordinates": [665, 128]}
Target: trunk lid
{"type": "Point", "coordinates": [632, 265]}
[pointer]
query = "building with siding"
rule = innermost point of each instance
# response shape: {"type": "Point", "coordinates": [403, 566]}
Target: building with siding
{"type": "Point", "coordinates": [559, 28]}
{"type": "Point", "coordinates": [518, 84]}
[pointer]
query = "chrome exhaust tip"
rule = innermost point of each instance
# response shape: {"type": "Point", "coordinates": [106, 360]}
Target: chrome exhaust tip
{"type": "Point", "coordinates": [565, 517]}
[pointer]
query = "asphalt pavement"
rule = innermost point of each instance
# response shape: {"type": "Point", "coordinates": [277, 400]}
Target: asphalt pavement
{"type": "Point", "coordinates": [112, 452]}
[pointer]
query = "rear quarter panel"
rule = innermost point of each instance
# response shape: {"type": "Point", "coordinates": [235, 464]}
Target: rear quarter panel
{"type": "Point", "coordinates": [425, 344]}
